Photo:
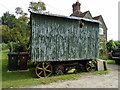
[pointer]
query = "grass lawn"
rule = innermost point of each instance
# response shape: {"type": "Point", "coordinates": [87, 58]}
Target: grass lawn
{"type": "Point", "coordinates": [111, 61]}
{"type": "Point", "coordinates": [22, 78]}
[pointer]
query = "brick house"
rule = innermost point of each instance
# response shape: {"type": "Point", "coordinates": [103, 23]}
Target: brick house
{"type": "Point", "coordinates": [102, 27]}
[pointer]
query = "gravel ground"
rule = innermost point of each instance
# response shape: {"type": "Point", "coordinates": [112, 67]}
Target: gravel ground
{"type": "Point", "coordinates": [88, 80]}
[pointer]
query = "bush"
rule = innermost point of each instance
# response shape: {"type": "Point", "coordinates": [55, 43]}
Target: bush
{"type": "Point", "coordinates": [117, 43]}
{"type": "Point", "coordinates": [4, 46]}
{"type": "Point", "coordinates": [17, 47]}
{"type": "Point", "coordinates": [110, 45]}
{"type": "Point", "coordinates": [10, 45]}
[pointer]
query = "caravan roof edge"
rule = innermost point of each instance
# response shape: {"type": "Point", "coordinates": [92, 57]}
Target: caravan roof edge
{"type": "Point", "coordinates": [63, 16]}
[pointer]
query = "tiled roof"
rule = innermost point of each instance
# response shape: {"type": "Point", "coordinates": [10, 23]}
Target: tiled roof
{"type": "Point", "coordinates": [100, 18]}
{"type": "Point", "coordinates": [79, 14]}
{"type": "Point", "coordinates": [96, 17]}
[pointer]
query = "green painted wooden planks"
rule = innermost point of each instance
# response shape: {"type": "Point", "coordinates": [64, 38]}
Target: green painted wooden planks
{"type": "Point", "coordinates": [62, 39]}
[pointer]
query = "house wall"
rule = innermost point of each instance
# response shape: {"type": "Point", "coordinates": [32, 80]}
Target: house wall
{"type": "Point", "coordinates": [62, 39]}
{"type": "Point", "coordinates": [102, 42]}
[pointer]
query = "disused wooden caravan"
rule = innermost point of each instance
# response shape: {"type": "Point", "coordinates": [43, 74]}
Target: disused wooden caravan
{"type": "Point", "coordinates": [59, 42]}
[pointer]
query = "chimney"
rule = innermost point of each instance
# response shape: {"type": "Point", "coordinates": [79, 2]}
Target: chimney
{"type": "Point", "coordinates": [76, 6]}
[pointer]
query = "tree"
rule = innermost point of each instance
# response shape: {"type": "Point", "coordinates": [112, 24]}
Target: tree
{"type": "Point", "coordinates": [7, 19]}
{"type": "Point", "coordinates": [18, 10]}
{"type": "Point", "coordinates": [21, 31]}
{"type": "Point", "coordinates": [5, 33]}
{"type": "Point", "coordinates": [110, 45]}
{"type": "Point", "coordinates": [18, 35]}
{"type": "Point", "coordinates": [37, 6]}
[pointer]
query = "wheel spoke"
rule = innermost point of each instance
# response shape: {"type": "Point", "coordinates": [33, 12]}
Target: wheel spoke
{"type": "Point", "coordinates": [47, 66]}
{"type": "Point", "coordinates": [88, 68]}
{"type": "Point", "coordinates": [40, 73]}
{"type": "Point", "coordinates": [44, 74]}
{"type": "Point", "coordinates": [43, 65]}
{"type": "Point", "coordinates": [39, 68]}
{"type": "Point", "coordinates": [48, 71]}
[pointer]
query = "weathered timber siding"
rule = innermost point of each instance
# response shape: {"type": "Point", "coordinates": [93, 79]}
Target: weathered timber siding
{"type": "Point", "coordinates": [62, 39]}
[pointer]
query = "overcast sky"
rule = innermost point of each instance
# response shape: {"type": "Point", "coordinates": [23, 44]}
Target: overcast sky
{"type": "Point", "coordinates": [107, 8]}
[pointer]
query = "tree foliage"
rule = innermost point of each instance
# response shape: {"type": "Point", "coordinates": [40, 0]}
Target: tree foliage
{"type": "Point", "coordinates": [5, 33]}
{"type": "Point", "coordinates": [19, 11]}
{"type": "Point", "coordinates": [21, 32]}
{"type": "Point", "coordinates": [37, 6]}
{"type": "Point", "coordinates": [110, 45]}
{"type": "Point", "coordinates": [7, 19]}
{"type": "Point", "coordinates": [16, 30]}
{"type": "Point", "coordinates": [17, 36]}
{"type": "Point", "coordinates": [117, 43]}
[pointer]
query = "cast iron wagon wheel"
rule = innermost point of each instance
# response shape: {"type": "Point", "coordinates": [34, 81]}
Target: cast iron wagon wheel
{"type": "Point", "coordinates": [43, 69]}
{"type": "Point", "coordinates": [90, 66]}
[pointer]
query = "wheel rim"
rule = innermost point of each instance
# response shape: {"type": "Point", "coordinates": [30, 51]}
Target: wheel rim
{"type": "Point", "coordinates": [43, 69]}
{"type": "Point", "coordinates": [90, 67]}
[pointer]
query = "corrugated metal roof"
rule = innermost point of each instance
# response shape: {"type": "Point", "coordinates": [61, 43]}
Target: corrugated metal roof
{"type": "Point", "coordinates": [63, 16]}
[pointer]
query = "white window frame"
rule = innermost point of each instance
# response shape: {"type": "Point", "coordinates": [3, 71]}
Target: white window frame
{"type": "Point", "coordinates": [101, 31]}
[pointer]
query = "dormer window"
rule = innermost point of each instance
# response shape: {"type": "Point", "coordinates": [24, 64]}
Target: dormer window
{"type": "Point", "coordinates": [101, 31]}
